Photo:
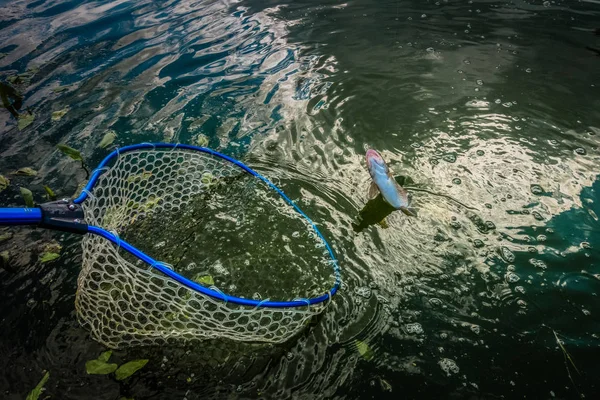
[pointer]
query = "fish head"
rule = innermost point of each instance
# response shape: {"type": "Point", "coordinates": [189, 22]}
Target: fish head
{"type": "Point", "coordinates": [376, 163]}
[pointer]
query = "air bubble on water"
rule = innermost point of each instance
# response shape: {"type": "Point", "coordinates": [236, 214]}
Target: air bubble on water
{"type": "Point", "coordinates": [541, 238]}
{"type": "Point", "coordinates": [511, 277]}
{"type": "Point", "coordinates": [511, 268]}
{"type": "Point", "coordinates": [536, 189]}
{"type": "Point", "coordinates": [456, 181]}
{"type": "Point", "coordinates": [528, 70]}
{"type": "Point", "coordinates": [460, 71]}
{"type": "Point", "coordinates": [488, 205]}
{"type": "Point", "coordinates": [475, 329]}
{"type": "Point", "coordinates": [448, 366]}
{"type": "Point", "coordinates": [521, 303]}
{"type": "Point", "coordinates": [490, 225]}
{"type": "Point", "coordinates": [443, 335]}
{"type": "Point", "coordinates": [585, 312]}
{"type": "Point", "coordinates": [507, 255]}
{"type": "Point", "coordinates": [363, 291]}
{"type": "Point", "coordinates": [546, 4]}
{"type": "Point", "coordinates": [435, 301]}
{"type": "Point", "coordinates": [479, 82]}
{"type": "Point", "coordinates": [585, 245]}
{"type": "Point", "coordinates": [520, 289]}
{"type": "Point", "coordinates": [580, 150]}
{"type": "Point", "coordinates": [537, 263]}
{"type": "Point", "coordinates": [415, 328]}
{"type": "Point", "coordinates": [507, 104]}
{"type": "Point", "coordinates": [449, 158]}
{"type": "Point", "coordinates": [423, 15]}
{"type": "Point", "coordinates": [497, 101]}
{"type": "Point", "coordinates": [191, 266]}
{"type": "Point", "coordinates": [430, 50]}
{"type": "Point", "coordinates": [455, 224]}
{"type": "Point", "coordinates": [478, 243]}
{"type": "Point", "coordinates": [296, 234]}
{"type": "Point", "coordinates": [480, 152]}
{"type": "Point", "coordinates": [532, 249]}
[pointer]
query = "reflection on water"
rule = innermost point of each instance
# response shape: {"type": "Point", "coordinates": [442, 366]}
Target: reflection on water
{"type": "Point", "coordinates": [494, 104]}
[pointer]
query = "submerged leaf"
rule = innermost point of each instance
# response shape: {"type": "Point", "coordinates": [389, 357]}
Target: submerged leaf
{"type": "Point", "coordinates": [37, 391]}
{"type": "Point", "coordinates": [4, 257]}
{"type": "Point", "coordinates": [128, 369]}
{"type": "Point", "coordinates": [25, 120]}
{"type": "Point", "coordinates": [4, 182]}
{"type": "Point", "coordinates": [385, 385]}
{"type": "Point", "coordinates": [139, 177]}
{"type": "Point", "coordinates": [69, 151]}
{"type": "Point", "coordinates": [108, 138]}
{"type": "Point", "coordinates": [202, 140]}
{"type": "Point", "coordinates": [97, 367]}
{"type": "Point", "coordinates": [104, 357]}
{"type": "Point", "coordinates": [50, 193]}
{"type": "Point", "coordinates": [27, 196]}
{"type": "Point", "coordinates": [26, 171]}
{"type": "Point", "coordinates": [47, 257]}
{"type": "Point", "coordinates": [57, 115]}
{"type": "Point", "coordinates": [60, 89]}
{"type": "Point", "coordinates": [205, 280]}
{"type": "Point", "coordinates": [207, 178]}
{"type": "Point", "coordinates": [363, 349]}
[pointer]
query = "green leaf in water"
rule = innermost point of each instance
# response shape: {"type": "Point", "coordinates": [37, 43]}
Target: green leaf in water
{"type": "Point", "coordinates": [4, 182]}
{"type": "Point", "coordinates": [27, 196]}
{"type": "Point", "coordinates": [107, 140]}
{"type": "Point", "coordinates": [97, 367]}
{"type": "Point", "coordinates": [25, 120]}
{"type": "Point", "coordinates": [104, 357]}
{"type": "Point", "coordinates": [139, 177]}
{"type": "Point", "coordinates": [26, 171]}
{"type": "Point", "coordinates": [37, 391]}
{"type": "Point", "coordinates": [204, 280]}
{"type": "Point", "coordinates": [4, 257]}
{"type": "Point", "coordinates": [50, 193]}
{"type": "Point", "coordinates": [69, 151]}
{"type": "Point", "coordinates": [202, 140]}
{"type": "Point", "coordinates": [57, 115]}
{"type": "Point", "coordinates": [363, 349]}
{"type": "Point", "coordinates": [60, 89]}
{"type": "Point", "coordinates": [128, 369]}
{"type": "Point", "coordinates": [47, 257]}
{"type": "Point", "coordinates": [385, 385]}
{"type": "Point", "coordinates": [207, 178]}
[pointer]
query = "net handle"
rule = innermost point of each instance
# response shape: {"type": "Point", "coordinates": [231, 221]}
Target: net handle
{"type": "Point", "coordinates": [103, 167]}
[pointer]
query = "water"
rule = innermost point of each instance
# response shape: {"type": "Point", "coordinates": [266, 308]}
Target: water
{"type": "Point", "coordinates": [493, 103]}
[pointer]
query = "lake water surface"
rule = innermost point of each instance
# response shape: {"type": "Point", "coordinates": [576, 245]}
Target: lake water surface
{"type": "Point", "coordinates": [494, 103]}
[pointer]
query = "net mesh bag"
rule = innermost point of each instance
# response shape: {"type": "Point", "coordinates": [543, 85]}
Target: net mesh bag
{"type": "Point", "coordinates": [211, 222]}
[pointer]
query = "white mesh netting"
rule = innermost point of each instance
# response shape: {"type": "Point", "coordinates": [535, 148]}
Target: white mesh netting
{"type": "Point", "coordinates": [211, 222]}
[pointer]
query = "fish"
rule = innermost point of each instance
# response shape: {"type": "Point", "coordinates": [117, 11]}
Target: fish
{"type": "Point", "coordinates": [384, 183]}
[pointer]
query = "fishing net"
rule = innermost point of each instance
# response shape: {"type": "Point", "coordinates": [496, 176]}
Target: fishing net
{"type": "Point", "coordinates": [212, 222]}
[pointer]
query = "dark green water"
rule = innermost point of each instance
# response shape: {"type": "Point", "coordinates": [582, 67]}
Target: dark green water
{"type": "Point", "coordinates": [496, 104]}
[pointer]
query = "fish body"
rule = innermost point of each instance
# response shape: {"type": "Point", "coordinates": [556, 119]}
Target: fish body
{"type": "Point", "coordinates": [383, 182]}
